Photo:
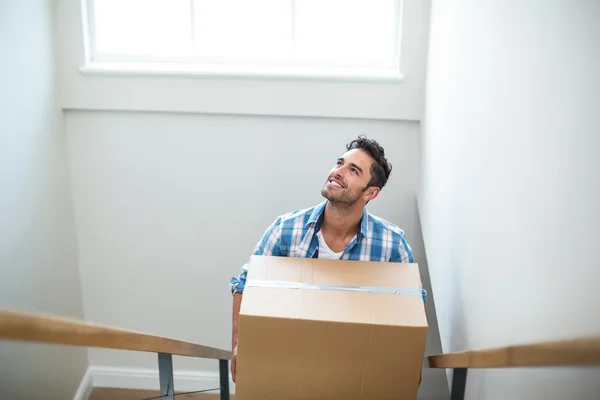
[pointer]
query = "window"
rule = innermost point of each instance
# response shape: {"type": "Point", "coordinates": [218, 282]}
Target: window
{"type": "Point", "coordinates": [297, 37]}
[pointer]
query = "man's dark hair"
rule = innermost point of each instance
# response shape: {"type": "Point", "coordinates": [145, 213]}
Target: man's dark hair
{"type": "Point", "coordinates": [381, 168]}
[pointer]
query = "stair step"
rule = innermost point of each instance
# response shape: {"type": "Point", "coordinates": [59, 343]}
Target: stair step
{"type": "Point", "coordinates": [136, 394]}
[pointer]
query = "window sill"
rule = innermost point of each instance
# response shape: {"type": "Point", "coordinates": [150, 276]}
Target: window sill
{"type": "Point", "coordinates": [243, 71]}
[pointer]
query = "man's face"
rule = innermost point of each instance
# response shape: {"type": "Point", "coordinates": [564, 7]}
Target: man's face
{"type": "Point", "coordinates": [347, 183]}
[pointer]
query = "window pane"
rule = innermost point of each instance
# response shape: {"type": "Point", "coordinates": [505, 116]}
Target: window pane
{"type": "Point", "coordinates": [346, 32]}
{"type": "Point", "coordinates": [243, 30]}
{"type": "Point", "coordinates": [142, 27]}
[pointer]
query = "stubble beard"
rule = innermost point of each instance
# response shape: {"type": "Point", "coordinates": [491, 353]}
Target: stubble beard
{"type": "Point", "coordinates": [345, 201]}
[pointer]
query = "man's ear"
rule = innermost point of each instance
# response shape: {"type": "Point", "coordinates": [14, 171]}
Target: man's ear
{"type": "Point", "coordinates": [371, 193]}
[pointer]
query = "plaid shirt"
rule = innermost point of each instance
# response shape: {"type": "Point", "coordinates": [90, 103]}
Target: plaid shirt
{"type": "Point", "coordinates": [294, 235]}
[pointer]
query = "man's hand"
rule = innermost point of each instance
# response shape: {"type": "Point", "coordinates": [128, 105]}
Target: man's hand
{"type": "Point", "coordinates": [233, 363]}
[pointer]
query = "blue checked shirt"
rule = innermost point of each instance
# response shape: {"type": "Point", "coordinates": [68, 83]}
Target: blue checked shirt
{"type": "Point", "coordinates": [294, 235]}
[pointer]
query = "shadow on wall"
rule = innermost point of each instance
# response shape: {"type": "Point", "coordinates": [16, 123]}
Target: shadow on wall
{"type": "Point", "coordinates": [435, 382]}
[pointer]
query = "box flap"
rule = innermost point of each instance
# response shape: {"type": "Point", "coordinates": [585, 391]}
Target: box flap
{"type": "Point", "coordinates": [329, 272]}
{"type": "Point", "coordinates": [334, 305]}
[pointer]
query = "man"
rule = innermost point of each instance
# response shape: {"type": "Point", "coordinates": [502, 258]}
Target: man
{"type": "Point", "coordinates": [338, 228]}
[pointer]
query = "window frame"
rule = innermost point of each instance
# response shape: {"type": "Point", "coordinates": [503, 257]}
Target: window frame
{"type": "Point", "coordinates": [191, 67]}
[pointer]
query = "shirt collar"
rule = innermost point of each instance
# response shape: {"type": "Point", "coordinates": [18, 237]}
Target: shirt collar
{"type": "Point", "coordinates": [316, 217]}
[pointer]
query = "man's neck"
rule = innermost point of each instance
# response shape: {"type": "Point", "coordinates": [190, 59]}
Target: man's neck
{"type": "Point", "coordinates": [340, 221]}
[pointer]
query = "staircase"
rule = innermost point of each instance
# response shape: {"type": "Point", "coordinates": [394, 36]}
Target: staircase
{"type": "Point", "coordinates": [26, 327]}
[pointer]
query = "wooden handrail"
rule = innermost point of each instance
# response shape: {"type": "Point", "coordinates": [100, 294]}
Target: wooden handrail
{"type": "Point", "coordinates": [27, 327]}
{"type": "Point", "coordinates": [584, 351]}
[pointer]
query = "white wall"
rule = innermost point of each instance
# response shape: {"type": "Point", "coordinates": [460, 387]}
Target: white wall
{"type": "Point", "coordinates": [291, 97]}
{"type": "Point", "coordinates": [509, 198]}
{"type": "Point", "coordinates": [38, 261]}
{"type": "Point", "coordinates": [169, 206]}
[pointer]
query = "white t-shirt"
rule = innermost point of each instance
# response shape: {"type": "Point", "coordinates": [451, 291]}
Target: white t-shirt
{"type": "Point", "coordinates": [325, 251]}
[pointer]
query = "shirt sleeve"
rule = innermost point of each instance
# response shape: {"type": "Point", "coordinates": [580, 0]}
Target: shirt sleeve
{"type": "Point", "coordinates": [269, 245]}
{"type": "Point", "coordinates": [403, 253]}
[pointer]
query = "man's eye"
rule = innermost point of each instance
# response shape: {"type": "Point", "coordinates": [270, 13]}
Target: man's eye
{"type": "Point", "coordinates": [339, 163]}
{"type": "Point", "coordinates": [354, 170]}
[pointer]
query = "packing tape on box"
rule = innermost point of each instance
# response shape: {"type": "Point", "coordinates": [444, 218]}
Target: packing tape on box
{"type": "Point", "coordinates": [311, 286]}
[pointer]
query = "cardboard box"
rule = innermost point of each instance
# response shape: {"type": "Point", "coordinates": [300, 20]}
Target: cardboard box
{"type": "Point", "coordinates": [321, 341]}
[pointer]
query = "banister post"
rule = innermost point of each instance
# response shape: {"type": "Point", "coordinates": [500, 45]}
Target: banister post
{"type": "Point", "coordinates": [224, 378]}
{"type": "Point", "coordinates": [459, 383]}
{"type": "Point", "coordinates": [165, 375]}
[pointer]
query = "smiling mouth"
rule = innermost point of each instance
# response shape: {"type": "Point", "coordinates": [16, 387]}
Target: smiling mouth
{"type": "Point", "coordinates": [332, 183]}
